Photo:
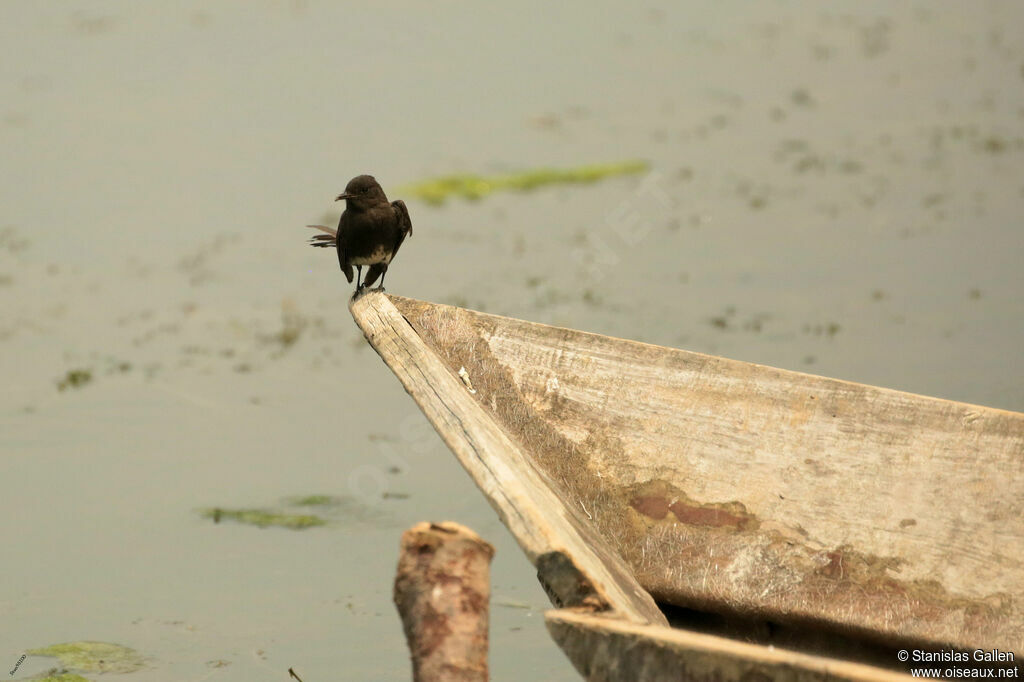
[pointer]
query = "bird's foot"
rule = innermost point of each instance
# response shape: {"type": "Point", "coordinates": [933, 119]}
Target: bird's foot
{"type": "Point", "coordinates": [379, 288]}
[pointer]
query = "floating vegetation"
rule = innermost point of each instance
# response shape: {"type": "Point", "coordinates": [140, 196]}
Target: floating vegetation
{"type": "Point", "coordinates": [830, 329]}
{"type": "Point", "coordinates": [75, 378]}
{"type": "Point", "coordinates": [330, 509]}
{"type": "Point", "coordinates": [474, 187]}
{"type": "Point", "coordinates": [98, 657]}
{"type": "Point", "coordinates": [728, 322]}
{"type": "Point", "coordinates": [12, 241]}
{"type": "Point", "coordinates": [313, 501]}
{"type": "Point", "coordinates": [263, 518]}
{"type": "Point", "coordinates": [292, 325]}
{"type": "Point", "coordinates": [60, 676]}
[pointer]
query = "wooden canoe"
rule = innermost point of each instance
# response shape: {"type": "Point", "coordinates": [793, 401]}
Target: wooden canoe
{"type": "Point", "coordinates": [787, 525]}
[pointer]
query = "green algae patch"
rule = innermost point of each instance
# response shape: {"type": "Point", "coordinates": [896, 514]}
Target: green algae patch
{"type": "Point", "coordinates": [75, 378]}
{"type": "Point", "coordinates": [99, 657]}
{"type": "Point", "coordinates": [313, 501]}
{"type": "Point", "coordinates": [474, 187]}
{"type": "Point", "coordinates": [55, 676]}
{"type": "Point", "coordinates": [298, 512]}
{"type": "Point", "coordinates": [263, 518]}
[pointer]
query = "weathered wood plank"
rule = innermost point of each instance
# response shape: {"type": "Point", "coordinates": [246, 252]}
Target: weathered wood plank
{"type": "Point", "coordinates": [763, 493]}
{"type": "Point", "coordinates": [443, 595]}
{"type": "Point", "coordinates": [611, 650]}
{"type": "Point", "coordinates": [523, 497]}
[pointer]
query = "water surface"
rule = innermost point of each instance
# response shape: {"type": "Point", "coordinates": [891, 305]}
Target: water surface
{"type": "Point", "coordinates": [834, 189]}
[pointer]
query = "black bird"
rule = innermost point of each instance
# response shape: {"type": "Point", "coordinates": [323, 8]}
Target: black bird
{"type": "Point", "coordinates": [369, 233]}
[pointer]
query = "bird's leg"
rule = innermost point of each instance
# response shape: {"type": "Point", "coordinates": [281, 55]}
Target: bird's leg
{"type": "Point", "coordinates": [383, 274]}
{"type": "Point", "coordinates": [359, 275]}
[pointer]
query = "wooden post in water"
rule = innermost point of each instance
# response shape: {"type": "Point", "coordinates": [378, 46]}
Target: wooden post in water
{"type": "Point", "coordinates": [442, 592]}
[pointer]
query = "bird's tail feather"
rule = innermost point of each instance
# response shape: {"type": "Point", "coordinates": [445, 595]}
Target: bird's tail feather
{"type": "Point", "coordinates": [328, 240]}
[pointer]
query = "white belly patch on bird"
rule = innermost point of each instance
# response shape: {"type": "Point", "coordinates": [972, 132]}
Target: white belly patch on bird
{"type": "Point", "coordinates": [379, 255]}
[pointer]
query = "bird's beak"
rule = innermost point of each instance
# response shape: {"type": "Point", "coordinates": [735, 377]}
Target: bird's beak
{"type": "Point", "coordinates": [345, 196]}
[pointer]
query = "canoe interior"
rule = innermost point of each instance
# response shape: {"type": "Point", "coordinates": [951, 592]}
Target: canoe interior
{"type": "Point", "coordinates": [759, 493]}
{"type": "Point", "coordinates": [604, 648]}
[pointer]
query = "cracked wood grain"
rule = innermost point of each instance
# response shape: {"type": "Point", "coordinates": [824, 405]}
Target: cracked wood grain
{"type": "Point", "coordinates": [523, 497]}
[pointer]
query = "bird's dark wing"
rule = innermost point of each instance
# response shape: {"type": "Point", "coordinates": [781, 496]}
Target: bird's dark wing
{"type": "Point", "coordinates": [323, 240]}
{"type": "Point", "coordinates": [402, 213]}
{"type": "Point", "coordinates": [341, 242]}
{"type": "Point", "coordinates": [404, 224]}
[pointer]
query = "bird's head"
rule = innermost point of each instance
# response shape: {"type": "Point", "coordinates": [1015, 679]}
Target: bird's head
{"type": "Point", "coordinates": [363, 191]}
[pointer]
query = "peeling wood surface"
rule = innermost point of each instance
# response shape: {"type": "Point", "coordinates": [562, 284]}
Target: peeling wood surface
{"type": "Point", "coordinates": [522, 495]}
{"type": "Point", "coordinates": [612, 650]}
{"type": "Point", "coordinates": [732, 487]}
{"type": "Point", "coordinates": [443, 595]}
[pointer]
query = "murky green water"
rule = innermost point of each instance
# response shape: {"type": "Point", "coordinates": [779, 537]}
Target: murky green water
{"type": "Point", "coordinates": [835, 190]}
